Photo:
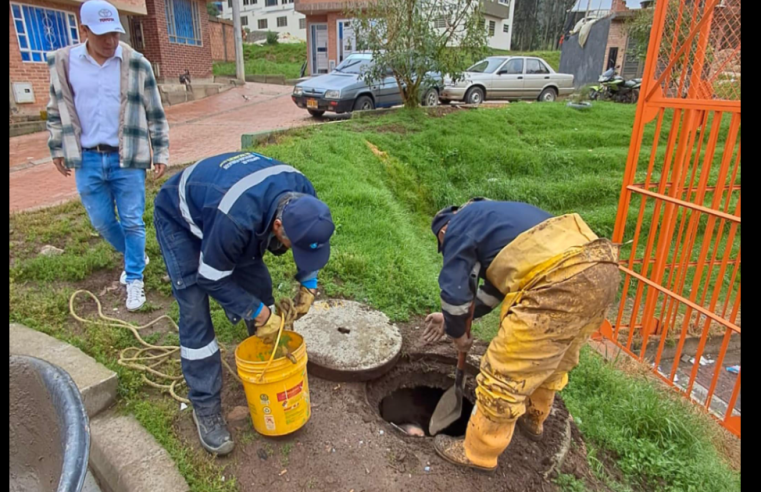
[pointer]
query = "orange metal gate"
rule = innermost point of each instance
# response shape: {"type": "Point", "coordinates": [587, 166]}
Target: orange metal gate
{"type": "Point", "coordinates": [679, 215]}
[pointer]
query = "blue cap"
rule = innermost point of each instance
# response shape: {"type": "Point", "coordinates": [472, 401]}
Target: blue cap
{"type": "Point", "coordinates": [441, 219]}
{"type": "Point", "coordinates": [308, 224]}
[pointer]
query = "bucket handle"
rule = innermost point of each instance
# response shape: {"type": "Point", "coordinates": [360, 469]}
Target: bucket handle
{"type": "Point", "coordinates": [274, 350]}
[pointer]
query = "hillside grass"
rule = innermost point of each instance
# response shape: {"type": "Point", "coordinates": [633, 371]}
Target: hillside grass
{"type": "Point", "coordinates": [384, 177]}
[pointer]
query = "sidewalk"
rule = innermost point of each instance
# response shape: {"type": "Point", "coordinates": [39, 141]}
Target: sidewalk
{"type": "Point", "coordinates": [197, 129]}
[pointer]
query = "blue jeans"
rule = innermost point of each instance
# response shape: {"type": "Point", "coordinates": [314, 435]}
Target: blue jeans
{"type": "Point", "coordinates": [199, 351]}
{"type": "Point", "coordinates": [105, 188]}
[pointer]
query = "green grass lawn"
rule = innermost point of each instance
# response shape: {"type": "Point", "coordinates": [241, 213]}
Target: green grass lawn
{"type": "Point", "coordinates": [384, 254]}
{"type": "Point", "coordinates": [279, 59]}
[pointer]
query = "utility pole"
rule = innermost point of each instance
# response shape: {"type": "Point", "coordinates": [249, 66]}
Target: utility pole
{"type": "Point", "coordinates": [240, 69]}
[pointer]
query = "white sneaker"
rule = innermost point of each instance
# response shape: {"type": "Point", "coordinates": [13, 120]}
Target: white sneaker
{"type": "Point", "coordinates": [135, 295]}
{"type": "Point", "coordinates": [123, 277]}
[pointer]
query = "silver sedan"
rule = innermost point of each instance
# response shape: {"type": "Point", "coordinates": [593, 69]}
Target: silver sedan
{"type": "Point", "coordinates": [508, 77]}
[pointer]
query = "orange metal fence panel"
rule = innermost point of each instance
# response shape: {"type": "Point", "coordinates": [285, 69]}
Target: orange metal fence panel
{"type": "Point", "coordinates": [679, 218]}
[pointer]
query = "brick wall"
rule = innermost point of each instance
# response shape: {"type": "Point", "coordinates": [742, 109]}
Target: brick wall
{"type": "Point", "coordinates": [222, 37]}
{"type": "Point", "coordinates": [36, 73]}
{"type": "Point", "coordinates": [619, 6]}
{"type": "Point", "coordinates": [617, 38]}
{"type": "Point", "coordinates": [174, 58]}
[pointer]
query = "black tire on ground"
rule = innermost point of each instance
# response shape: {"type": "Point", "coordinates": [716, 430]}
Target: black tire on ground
{"type": "Point", "coordinates": [548, 95]}
{"type": "Point", "coordinates": [364, 103]}
{"type": "Point", "coordinates": [431, 97]}
{"type": "Point", "coordinates": [316, 113]}
{"type": "Point", "coordinates": [474, 95]}
{"type": "Point", "coordinates": [593, 94]}
{"type": "Point", "coordinates": [635, 96]}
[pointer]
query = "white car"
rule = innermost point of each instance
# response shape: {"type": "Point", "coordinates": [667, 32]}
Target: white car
{"type": "Point", "coordinates": [508, 77]}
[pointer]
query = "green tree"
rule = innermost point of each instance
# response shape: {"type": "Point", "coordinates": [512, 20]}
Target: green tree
{"type": "Point", "coordinates": [413, 38]}
{"type": "Point", "coordinates": [212, 10]}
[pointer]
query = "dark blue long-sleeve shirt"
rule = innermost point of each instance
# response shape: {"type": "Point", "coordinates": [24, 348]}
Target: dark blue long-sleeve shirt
{"type": "Point", "coordinates": [229, 202]}
{"type": "Point", "coordinates": [475, 236]}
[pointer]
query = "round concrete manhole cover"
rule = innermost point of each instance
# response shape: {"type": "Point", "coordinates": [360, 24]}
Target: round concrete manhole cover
{"type": "Point", "coordinates": [347, 341]}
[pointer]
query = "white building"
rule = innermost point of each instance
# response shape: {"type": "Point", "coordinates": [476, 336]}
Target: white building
{"type": "Point", "coordinates": [498, 17]}
{"type": "Point", "coordinates": [268, 15]}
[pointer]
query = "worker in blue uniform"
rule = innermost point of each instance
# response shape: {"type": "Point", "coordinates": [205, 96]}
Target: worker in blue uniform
{"type": "Point", "coordinates": [214, 222]}
{"type": "Point", "coordinates": [555, 280]}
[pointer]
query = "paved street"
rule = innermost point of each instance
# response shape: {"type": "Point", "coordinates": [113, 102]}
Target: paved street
{"type": "Point", "coordinates": [197, 129]}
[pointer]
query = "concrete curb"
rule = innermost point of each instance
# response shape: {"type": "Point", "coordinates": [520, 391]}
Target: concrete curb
{"type": "Point", "coordinates": [96, 383]}
{"type": "Point", "coordinates": [126, 458]}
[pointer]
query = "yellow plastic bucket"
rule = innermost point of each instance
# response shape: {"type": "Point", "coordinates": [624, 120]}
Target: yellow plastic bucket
{"type": "Point", "coordinates": [278, 395]}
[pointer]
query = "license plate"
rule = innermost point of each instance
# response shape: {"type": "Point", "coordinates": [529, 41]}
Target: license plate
{"type": "Point", "coordinates": [312, 103]}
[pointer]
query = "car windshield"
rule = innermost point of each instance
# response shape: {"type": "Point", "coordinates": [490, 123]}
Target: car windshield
{"type": "Point", "coordinates": [355, 64]}
{"type": "Point", "coordinates": [486, 66]}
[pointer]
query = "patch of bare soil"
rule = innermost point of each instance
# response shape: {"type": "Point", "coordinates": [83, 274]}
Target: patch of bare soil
{"type": "Point", "coordinates": [348, 446]}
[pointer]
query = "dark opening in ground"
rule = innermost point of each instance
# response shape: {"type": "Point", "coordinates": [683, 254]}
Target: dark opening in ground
{"type": "Point", "coordinates": [415, 406]}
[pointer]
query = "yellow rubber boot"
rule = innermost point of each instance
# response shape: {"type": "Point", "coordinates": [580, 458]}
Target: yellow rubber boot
{"type": "Point", "coordinates": [484, 442]}
{"type": "Point", "coordinates": [538, 407]}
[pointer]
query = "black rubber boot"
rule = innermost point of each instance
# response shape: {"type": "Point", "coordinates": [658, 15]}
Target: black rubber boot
{"type": "Point", "coordinates": [212, 430]}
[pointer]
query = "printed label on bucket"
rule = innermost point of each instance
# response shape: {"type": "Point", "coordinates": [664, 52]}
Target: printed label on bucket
{"type": "Point", "coordinates": [287, 395]}
{"type": "Point", "coordinates": [269, 422]}
{"type": "Point", "coordinates": [296, 413]}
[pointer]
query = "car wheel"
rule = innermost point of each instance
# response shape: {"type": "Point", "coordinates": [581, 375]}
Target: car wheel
{"type": "Point", "coordinates": [548, 95]}
{"type": "Point", "coordinates": [316, 113]}
{"type": "Point", "coordinates": [431, 98]}
{"type": "Point", "coordinates": [364, 103]}
{"type": "Point", "coordinates": [475, 96]}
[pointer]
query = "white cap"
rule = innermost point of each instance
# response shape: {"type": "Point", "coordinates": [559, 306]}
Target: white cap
{"type": "Point", "coordinates": [100, 17]}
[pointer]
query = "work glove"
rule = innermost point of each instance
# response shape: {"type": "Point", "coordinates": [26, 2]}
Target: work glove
{"type": "Point", "coordinates": [434, 328]}
{"type": "Point", "coordinates": [268, 331]}
{"type": "Point", "coordinates": [303, 301]}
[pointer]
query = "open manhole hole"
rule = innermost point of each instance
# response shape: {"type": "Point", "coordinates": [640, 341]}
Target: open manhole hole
{"type": "Point", "coordinates": [407, 396]}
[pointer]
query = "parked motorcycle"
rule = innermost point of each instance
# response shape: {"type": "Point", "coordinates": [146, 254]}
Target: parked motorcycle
{"type": "Point", "coordinates": [615, 88]}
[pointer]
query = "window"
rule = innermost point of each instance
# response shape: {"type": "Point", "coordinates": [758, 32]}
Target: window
{"type": "Point", "coordinates": [183, 22]}
{"type": "Point", "coordinates": [244, 20]}
{"type": "Point", "coordinates": [514, 67]}
{"type": "Point", "coordinates": [282, 22]}
{"type": "Point", "coordinates": [229, 4]}
{"type": "Point", "coordinates": [40, 31]}
{"type": "Point", "coordinates": [246, 2]}
{"type": "Point", "coordinates": [286, 2]}
{"type": "Point", "coordinates": [270, 3]}
{"type": "Point", "coordinates": [534, 66]}
{"type": "Point", "coordinates": [612, 58]}
{"type": "Point", "coordinates": [302, 23]}
{"type": "Point", "coordinates": [355, 64]}
{"type": "Point", "coordinates": [505, 2]}
{"type": "Point", "coordinates": [505, 27]}
{"type": "Point", "coordinates": [488, 65]}
{"type": "Point", "coordinates": [492, 28]}
{"type": "Point", "coordinates": [261, 24]}
{"type": "Point", "coordinates": [440, 23]}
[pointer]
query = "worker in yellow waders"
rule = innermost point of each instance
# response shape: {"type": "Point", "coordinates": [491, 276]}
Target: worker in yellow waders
{"type": "Point", "coordinates": [555, 279]}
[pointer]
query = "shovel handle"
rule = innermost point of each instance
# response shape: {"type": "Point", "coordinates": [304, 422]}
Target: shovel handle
{"type": "Point", "coordinates": [462, 356]}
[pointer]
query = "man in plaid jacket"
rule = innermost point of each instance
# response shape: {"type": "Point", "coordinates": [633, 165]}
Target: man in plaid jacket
{"type": "Point", "coordinates": [106, 122]}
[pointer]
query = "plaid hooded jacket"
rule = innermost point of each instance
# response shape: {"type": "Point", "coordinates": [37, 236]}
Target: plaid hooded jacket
{"type": "Point", "coordinates": [142, 127]}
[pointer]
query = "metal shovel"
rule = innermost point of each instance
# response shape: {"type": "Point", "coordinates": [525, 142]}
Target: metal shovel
{"type": "Point", "coordinates": [449, 408]}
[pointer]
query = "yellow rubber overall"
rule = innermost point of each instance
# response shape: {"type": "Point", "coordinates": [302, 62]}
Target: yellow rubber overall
{"type": "Point", "coordinates": [559, 279]}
